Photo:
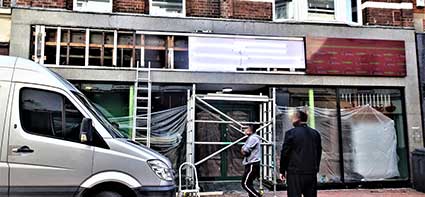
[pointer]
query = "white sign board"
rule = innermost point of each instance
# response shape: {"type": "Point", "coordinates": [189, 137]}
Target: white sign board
{"type": "Point", "coordinates": [232, 54]}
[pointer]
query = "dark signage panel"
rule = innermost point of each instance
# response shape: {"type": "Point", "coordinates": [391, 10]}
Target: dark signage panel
{"type": "Point", "coordinates": [361, 57]}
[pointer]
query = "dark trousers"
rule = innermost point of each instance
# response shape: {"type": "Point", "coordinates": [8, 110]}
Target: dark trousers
{"type": "Point", "coordinates": [252, 171]}
{"type": "Point", "coordinates": [305, 184]}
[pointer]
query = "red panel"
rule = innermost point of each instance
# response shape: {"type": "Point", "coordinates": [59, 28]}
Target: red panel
{"type": "Point", "coordinates": [338, 56]}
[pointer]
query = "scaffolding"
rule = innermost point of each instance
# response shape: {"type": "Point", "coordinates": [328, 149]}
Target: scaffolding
{"type": "Point", "coordinates": [266, 130]}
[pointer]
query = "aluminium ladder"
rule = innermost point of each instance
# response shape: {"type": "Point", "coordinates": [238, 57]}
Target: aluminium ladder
{"type": "Point", "coordinates": [142, 106]}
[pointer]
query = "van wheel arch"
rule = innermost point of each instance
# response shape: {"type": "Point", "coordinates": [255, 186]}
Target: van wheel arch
{"type": "Point", "coordinates": [116, 187]}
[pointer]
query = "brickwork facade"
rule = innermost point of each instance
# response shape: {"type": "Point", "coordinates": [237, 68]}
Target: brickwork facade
{"type": "Point", "coordinates": [386, 16]}
{"type": "Point", "coordinates": [131, 6]}
{"type": "Point", "coordinates": [203, 8]}
{"type": "Point", "coordinates": [240, 9]}
{"type": "Point", "coordinates": [61, 4]}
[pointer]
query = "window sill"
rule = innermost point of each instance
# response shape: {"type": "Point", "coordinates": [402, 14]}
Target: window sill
{"type": "Point", "coordinates": [317, 22]}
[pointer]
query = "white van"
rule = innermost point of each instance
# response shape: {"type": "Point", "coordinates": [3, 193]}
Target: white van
{"type": "Point", "coordinates": [53, 142]}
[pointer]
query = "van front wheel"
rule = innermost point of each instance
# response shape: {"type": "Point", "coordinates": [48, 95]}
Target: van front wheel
{"type": "Point", "coordinates": [108, 194]}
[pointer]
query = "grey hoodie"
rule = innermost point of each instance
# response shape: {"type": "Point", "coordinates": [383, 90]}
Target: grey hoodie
{"type": "Point", "coordinates": [252, 149]}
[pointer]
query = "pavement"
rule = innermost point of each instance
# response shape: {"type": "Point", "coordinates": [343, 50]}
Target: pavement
{"type": "Point", "coordinates": [408, 192]}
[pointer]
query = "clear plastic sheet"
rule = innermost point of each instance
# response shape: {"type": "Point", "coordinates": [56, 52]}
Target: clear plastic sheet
{"type": "Point", "coordinates": [327, 125]}
{"type": "Point", "coordinates": [370, 145]}
{"type": "Point", "coordinates": [369, 142]}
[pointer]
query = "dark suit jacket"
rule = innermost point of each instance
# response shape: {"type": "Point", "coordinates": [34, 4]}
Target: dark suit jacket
{"type": "Point", "coordinates": [301, 151]}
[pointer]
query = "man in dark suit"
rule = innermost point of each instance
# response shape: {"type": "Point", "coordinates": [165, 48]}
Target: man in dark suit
{"type": "Point", "coordinates": [300, 158]}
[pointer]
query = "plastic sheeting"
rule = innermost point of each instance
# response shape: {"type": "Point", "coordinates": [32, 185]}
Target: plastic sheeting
{"type": "Point", "coordinates": [167, 131]}
{"type": "Point", "coordinates": [327, 125]}
{"type": "Point", "coordinates": [167, 128]}
{"type": "Point", "coordinates": [369, 143]}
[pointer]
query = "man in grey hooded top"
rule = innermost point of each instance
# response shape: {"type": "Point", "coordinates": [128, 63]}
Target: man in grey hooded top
{"type": "Point", "coordinates": [252, 155]}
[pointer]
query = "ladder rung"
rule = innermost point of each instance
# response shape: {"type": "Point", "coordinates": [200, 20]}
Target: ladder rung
{"type": "Point", "coordinates": [140, 138]}
{"type": "Point", "coordinates": [142, 118]}
{"type": "Point", "coordinates": [143, 98]}
{"type": "Point", "coordinates": [144, 79]}
{"type": "Point", "coordinates": [142, 108]}
{"type": "Point", "coordinates": [264, 165]}
{"type": "Point", "coordinates": [141, 128]}
{"type": "Point", "coordinates": [143, 88]}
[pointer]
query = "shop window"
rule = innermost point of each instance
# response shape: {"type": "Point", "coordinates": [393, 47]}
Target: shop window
{"type": "Point", "coordinates": [87, 47]}
{"type": "Point", "coordinates": [181, 52]}
{"type": "Point", "coordinates": [373, 127]}
{"type": "Point", "coordinates": [126, 49]}
{"type": "Point", "coordinates": [101, 47]}
{"type": "Point", "coordinates": [49, 114]}
{"type": "Point", "coordinates": [321, 105]}
{"type": "Point", "coordinates": [93, 5]}
{"type": "Point", "coordinates": [155, 51]}
{"type": "Point", "coordinates": [167, 7]}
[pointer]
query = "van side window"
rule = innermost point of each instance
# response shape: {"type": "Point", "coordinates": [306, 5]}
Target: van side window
{"type": "Point", "coordinates": [49, 114]}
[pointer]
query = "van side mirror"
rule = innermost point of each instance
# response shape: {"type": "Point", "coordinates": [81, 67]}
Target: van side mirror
{"type": "Point", "coordinates": [86, 131]}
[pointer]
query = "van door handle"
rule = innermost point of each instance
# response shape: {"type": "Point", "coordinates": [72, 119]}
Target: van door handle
{"type": "Point", "coordinates": [23, 149]}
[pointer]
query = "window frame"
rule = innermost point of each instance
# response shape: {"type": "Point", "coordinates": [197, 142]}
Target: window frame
{"type": "Point", "coordinates": [340, 13]}
{"type": "Point", "coordinates": [183, 14]}
{"type": "Point", "coordinates": [100, 144]}
{"type": "Point", "coordinates": [108, 8]}
{"type": "Point", "coordinates": [63, 116]}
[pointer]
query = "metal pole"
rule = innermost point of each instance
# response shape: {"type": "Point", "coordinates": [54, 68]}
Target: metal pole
{"type": "Point", "coordinates": [274, 142]}
{"type": "Point", "coordinates": [228, 146]}
{"type": "Point", "coordinates": [148, 121]}
{"type": "Point", "coordinates": [238, 129]}
{"type": "Point", "coordinates": [224, 122]}
{"type": "Point", "coordinates": [218, 117]}
{"type": "Point", "coordinates": [218, 111]}
{"type": "Point", "coordinates": [136, 85]}
{"type": "Point", "coordinates": [221, 150]}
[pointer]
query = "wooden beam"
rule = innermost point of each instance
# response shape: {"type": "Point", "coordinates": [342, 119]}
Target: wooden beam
{"type": "Point", "coordinates": [68, 47]}
{"type": "Point", "coordinates": [102, 50]}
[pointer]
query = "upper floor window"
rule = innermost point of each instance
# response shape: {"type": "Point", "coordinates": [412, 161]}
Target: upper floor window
{"type": "Point", "coordinates": [167, 7]}
{"type": "Point", "coordinates": [93, 5]}
{"type": "Point", "coordinates": [346, 11]}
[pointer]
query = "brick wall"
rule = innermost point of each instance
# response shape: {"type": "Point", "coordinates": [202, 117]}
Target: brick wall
{"type": "Point", "coordinates": [239, 9]}
{"type": "Point", "coordinates": [252, 10]}
{"type": "Point", "coordinates": [6, 3]}
{"type": "Point", "coordinates": [388, 17]}
{"type": "Point", "coordinates": [203, 8]}
{"type": "Point", "coordinates": [62, 4]}
{"type": "Point", "coordinates": [131, 6]}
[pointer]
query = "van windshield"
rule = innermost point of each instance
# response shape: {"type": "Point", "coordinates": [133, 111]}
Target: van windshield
{"type": "Point", "coordinates": [99, 116]}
